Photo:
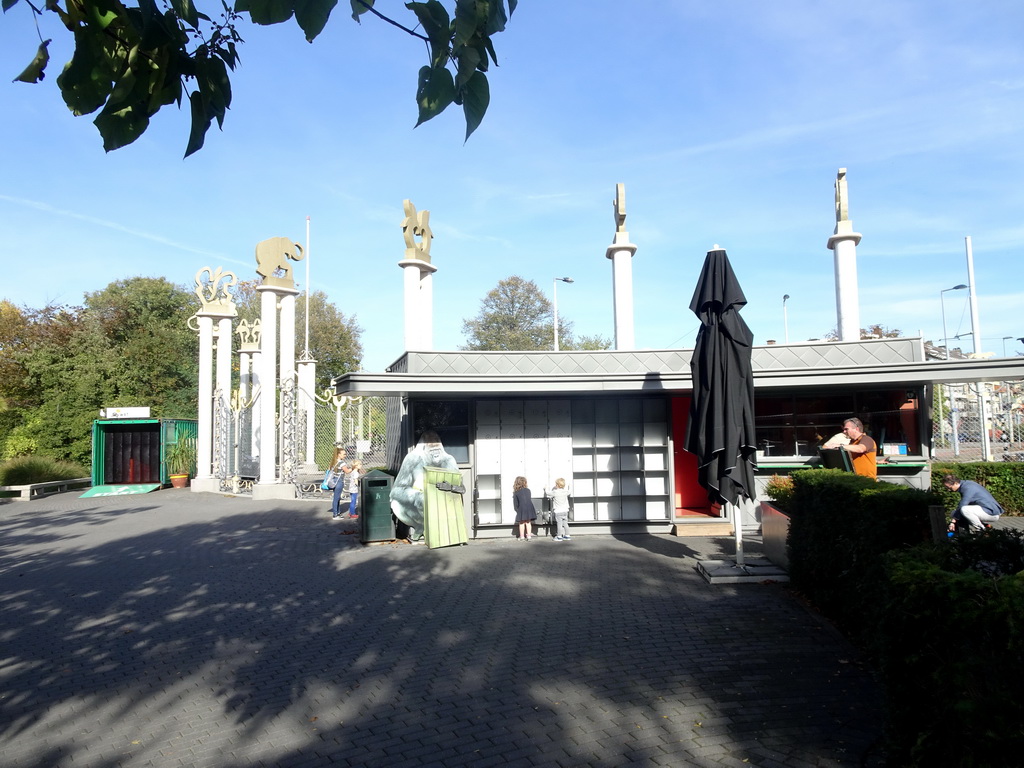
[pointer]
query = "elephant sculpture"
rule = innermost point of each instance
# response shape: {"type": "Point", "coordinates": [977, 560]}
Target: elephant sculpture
{"type": "Point", "coordinates": [272, 257]}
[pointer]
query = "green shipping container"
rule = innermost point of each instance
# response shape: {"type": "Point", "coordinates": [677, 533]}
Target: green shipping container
{"type": "Point", "coordinates": [133, 451]}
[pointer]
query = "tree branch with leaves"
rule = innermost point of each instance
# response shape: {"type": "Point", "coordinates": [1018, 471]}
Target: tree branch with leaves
{"type": "Point", "coordinates": [131, 59]}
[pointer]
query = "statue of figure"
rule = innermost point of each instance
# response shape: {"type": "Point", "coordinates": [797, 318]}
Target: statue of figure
{"type": "Point", "coordinates": [416, 224]}
{"type": "Point", "coordinates": [407, 490]}
{"type": "Point", "coordinates": [272, 257]}
{"type": "Point", "coordinates": [213, 290]}
{"type": "Point", "coordinates": [842, 197]}
{"type": "Point", "coordinates": [620, 207]}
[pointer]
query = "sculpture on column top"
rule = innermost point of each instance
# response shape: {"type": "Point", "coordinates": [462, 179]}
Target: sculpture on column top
{"type": "Point", "coordinates": [213, 290]}
{"type": "Point", "coordinates": [416, 224]}
{"type": "Point", "coordinates": [842, 197]}
{"type": "Point", "coordinates": [620, 207]}
{"type": "Point", "coordinates": [249, 334]}
{"type": "Point", "coordinates": [272, 257]}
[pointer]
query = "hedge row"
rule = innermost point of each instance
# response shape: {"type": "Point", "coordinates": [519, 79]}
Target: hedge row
{"type": "Point", "coordinates": [841, 526]}
{"type": "Point", "coordinates": [952, 652]}
{"type": "Point", "coordinates": [944, 622]}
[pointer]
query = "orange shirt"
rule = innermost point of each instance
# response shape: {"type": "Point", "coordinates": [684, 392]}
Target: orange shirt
{"type": "Point", "coordinates": [864, 463]}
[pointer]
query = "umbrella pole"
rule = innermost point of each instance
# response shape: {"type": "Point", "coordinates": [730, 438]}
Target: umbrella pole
{"type": "Point", "coordinates": [737, 524]}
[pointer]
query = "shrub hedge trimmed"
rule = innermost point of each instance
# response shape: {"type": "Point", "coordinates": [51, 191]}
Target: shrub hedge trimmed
{"type": "Point", "coordinates": [952, 652]}
{"type": "Point", "coordinates": [944, 622]}
{"type": "Point", "coordinates": [841, 526]}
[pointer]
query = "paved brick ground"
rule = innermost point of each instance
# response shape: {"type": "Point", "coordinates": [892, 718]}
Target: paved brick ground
{"type": "Point", "coordinates": [180, 629]}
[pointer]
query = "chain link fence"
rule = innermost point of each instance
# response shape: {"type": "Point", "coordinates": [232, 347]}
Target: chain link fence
{"type": "Point", "coordinates": [979, 422]}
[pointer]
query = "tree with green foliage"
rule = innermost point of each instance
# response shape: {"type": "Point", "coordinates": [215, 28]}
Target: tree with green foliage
{"type": "Point", "coordinates": [517, 316]}
{"type": "Point", "coordinates": [132, 58]}
{"type": "Point", "coordinates": [129, 345]}
{"type": "Point", "coordinates": [333, 337]}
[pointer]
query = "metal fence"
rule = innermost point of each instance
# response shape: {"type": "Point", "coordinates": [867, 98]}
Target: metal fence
{"type": "Point", "coordinates": [978, 422]}
{"type": "Point", "coordinates": [359, 424]}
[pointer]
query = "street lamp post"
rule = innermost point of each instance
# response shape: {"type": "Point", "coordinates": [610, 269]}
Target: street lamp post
{"type": "Point", "coordinates": [942, 301]}
{"type": "Point", "coordinates": [554, 303]}
{"type": "Point", "coordinates": [785, 317]}
{"type": "Point", "coordinates": [953, 412]}
{"type": "Point", "coordinates": [1004, 344]}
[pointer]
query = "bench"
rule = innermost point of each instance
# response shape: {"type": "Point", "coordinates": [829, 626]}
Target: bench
{"type": "Point", "coordinates": [38, 490]}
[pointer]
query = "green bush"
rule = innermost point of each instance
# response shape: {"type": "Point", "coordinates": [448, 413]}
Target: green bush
{"type": "Point", "coordinates": [841, 527]}
{"type": "Point", "coordinates": [1004, 480]}
{"type": "Point", "coordinates": [780, 490]}
{"type": "Point", "coordinates": [951, 650]}
{"type": "Point", "coordinates": [26, 470]}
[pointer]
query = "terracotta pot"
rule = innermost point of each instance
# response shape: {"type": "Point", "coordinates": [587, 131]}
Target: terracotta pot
{"type": "Point", "coordinates": [179, 481]}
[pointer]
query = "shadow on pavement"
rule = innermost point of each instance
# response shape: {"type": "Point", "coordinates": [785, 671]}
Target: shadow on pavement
{"type": "Point", "coordinates": [236, 636]}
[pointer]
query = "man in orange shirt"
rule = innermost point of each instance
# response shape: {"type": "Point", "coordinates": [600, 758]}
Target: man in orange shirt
{"type": "Point", "coordinates": [862, 449]}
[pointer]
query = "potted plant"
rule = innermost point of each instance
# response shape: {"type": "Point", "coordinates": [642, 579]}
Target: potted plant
{"type": "Point", "coordinates": [775, 518]}
{"type": "Point", "coordinates": [181, 461]}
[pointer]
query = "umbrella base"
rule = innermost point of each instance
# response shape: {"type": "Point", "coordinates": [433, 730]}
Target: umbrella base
{"type": "Point", "coordinates": [703, 528]}
{"type": "Point", "coordinates": [753, 571]}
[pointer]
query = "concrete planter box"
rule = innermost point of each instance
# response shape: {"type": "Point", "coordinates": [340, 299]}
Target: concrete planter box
{"type": "Point", "coordinates": [774, 532]}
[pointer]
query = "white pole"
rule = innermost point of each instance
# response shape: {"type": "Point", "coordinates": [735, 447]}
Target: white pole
{"type": "Point", "coordinates": [306, 347]}
{"type": "Point", "coordinates": [785, 317]}
{"type": "Point", "coordinates": [974, 297]}
{"type": "Point", "coordinates": [554, 305]}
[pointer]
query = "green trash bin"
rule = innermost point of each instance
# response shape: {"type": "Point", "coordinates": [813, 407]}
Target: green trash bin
{"type": "Point", "coordinates": [376, 522]}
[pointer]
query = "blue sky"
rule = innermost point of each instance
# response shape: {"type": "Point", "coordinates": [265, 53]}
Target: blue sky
{"type": "Point", "coordinates": [726, 121]}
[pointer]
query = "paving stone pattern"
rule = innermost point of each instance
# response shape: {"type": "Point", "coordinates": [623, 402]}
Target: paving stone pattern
{"type": "Point", "coordinates": [181, 629]}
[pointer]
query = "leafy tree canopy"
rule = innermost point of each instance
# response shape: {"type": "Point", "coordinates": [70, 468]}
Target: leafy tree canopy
{"type": "Point", "coordinates": [128, 345]}
{"type": "Point", "coordinates": [517, 316]}
{"type": "Point", "coordinates": [133, 57]}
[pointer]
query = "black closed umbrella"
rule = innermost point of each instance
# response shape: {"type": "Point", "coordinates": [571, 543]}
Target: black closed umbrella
{"type": "Point", "coordinates": [720, 431]}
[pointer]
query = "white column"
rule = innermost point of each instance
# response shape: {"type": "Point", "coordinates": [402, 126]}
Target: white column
{"type": "Point", "coordinates": [244, 372]}
{"type": "Point", "coordinates": [268, 386]}
{"type": "Point", "coordinates": [843, 243]}
{"type": "Point", "coordinates": [621, 254]}
{"type": "Point", "coordinates": [254, 411]}
{"type": "Point", "coordinates": [847, 298]}
{"type": "Point", "coordinates": [204, 428]}
{"type": "Point", "coordinates": [427, 306]}
{"type": "Point", "coordinates": [224, 356]}
{"type": "Point", "coordinates": [287, 303]}
{"type": "Point", "coordinates": [418, 303]}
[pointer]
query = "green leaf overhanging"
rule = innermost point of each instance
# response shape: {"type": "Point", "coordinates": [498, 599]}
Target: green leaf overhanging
{"type": "Point", "coordinates": [476, 98]}
{"type": "Point", "coordinates": [36, 71]}
{"type": "Point", "coordinates": [435, 92]}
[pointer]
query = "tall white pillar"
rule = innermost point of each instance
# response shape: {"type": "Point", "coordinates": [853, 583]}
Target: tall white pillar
{"type": "Point", "coordinates": [224, 356]}
{"type": "Point", "coordinates": [843, 243]}
{"type": "Point", "coordinates": [204, 427]}
{"type": "Point", "coordinates": [268, 386]}
{"type": "Point", "coordinates": [276, 367]}
{"type": "Point", "coordinates": [417, 303]}
{"type": "Point", "coordinates": [418, 297]}
{"type": "Point", "coordinates": [255, 413]}
{"type": "Point", "coordinates": [621, 254]}
{"type": "Point", "coordinates": [213, 290]}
